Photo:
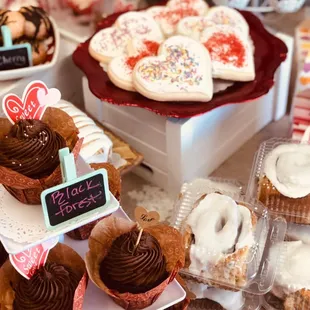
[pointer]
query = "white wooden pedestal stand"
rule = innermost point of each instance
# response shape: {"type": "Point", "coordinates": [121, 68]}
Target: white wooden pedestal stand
{"type": "Point", "coordinates": [178, 150]}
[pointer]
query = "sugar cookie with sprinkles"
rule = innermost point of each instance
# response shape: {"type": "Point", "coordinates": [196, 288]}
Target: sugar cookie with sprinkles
{"type": "Point", "coordinates": [231, 53]}
{"type": "Point", "coordinates": [222, 15]}
{"type": "Point", "coordinates": [193, 26]}
{"type": "Point", "coordinates": [121, 68]}
{"type": "Point", "coordinates": [112, 42]}
{"type": "Point", "coordinates": [180, 72]}
{"type": "Point", "coordinates": [199, 5]}
{"type": "Point", "coordinates": [168, 18]}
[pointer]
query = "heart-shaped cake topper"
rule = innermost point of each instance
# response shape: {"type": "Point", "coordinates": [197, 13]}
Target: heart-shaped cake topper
{"type": "Point", "coordinates": [27, 262]}
{"type": "Point", "coordinates": [145, 218]}
{"type": "Point", "coordinates": [36, 97]}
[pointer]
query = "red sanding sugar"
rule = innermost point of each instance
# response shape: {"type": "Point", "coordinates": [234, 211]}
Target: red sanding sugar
{"type": "Point", "coordinates": [226, 48]}
{"type": "Point", "coordinates": [151, 48]}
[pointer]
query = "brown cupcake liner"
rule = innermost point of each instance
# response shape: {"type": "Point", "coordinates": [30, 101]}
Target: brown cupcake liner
{"type": "Point", "coordinates": [101, 239]}
{"type": "Point", "coordinates": [295, 210]}
{"type": "Point", "coordinates": [114, 177]}
{"type": "Point", "coordinates": [60, 254]}
{"type": "Point", "coordinates": [28, 190]}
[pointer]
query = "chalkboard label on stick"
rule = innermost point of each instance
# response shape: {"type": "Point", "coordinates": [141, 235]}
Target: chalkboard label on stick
{"type": "Point", "coordinates": [14, 56]}
{"type": "Point", "coordinates": [75, 199]}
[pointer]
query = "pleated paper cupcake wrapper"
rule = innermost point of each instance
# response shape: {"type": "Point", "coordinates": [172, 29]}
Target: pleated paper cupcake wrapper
{"type": "Point", "coordinates": [247, 269]}
{"type": "Point", "coordinates": [28, 190]}
{"type": "Point", "coordinates": [83, 232]}
{"type": "Point", "coordinates": [101, 239]}
{"type": "Point", "coordinates": [60, 254]}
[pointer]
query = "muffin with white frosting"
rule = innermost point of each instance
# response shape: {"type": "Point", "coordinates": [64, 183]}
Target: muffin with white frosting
{"type": "Point", "coordinates": [219, 233]}
{"type": "Point", "coordinates": [291, 289]}
{"type": "Point", "coordinates": [284, 187]}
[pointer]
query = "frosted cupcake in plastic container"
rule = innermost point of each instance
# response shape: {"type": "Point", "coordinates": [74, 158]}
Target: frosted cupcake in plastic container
{"type": "Point", "coordinates": [29, 161]}
{"type": "Point", "coordinates": [281, 179]}
{"type": "Point", "coordinates": [133, 278]}
{"type": "Point", "coordinates": [291, 289]}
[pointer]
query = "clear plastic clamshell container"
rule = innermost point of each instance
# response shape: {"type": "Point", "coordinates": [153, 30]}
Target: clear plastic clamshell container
{"type": "Point", "coordinates": [251, 302]}
{"type": "Point", "coordinates": [260, 187]}
{"type": "Point", "coordinates": [244, 264]}
{"type": "Point", "coordinates": [292, 282]}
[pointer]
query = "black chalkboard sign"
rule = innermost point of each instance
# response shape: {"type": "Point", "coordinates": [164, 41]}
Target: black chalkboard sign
{"type": "Point", "coordinates": [73, 199]}
{"type": "Point", "coordinates": [14, 58]}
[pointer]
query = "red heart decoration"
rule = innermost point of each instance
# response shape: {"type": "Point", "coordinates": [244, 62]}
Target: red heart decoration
{"type": "Point", "coordinates": [28, 107]}
{"type": "Point", "coordinates": [27, 262]}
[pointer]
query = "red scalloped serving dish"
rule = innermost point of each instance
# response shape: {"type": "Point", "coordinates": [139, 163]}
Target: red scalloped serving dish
{"type": "Point", "coordinates": [270, 52]}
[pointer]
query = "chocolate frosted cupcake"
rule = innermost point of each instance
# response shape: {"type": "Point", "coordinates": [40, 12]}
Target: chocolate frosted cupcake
{"type": "Point", "coordinates": [134, 279]}
{"type": "Point", "coordinates": [127, 269]}
{"type": "Point", "coordinates": [59, 285]}
{"type": "Point", "coordinates": [31, 148]}
{"type": "Point", "coordinates": [51, 287]}
{"type": "Point", "coordinates": [29, 161]}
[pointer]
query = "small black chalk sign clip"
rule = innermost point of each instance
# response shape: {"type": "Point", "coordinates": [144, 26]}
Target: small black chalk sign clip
{"type": "Point", "coordinates": [77, 198]}
{"type": "Point", "coordinates": [13, 56]}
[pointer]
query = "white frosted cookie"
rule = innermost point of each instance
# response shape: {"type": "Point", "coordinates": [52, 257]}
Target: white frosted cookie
{"type": "Point", "coordinates": [168, 18]}
{"type": "Point", "coordinates": [97, 146]}
{"type": "Point", "coordinates": [108, 43]}
{"type": "Point", "coordinates": [140, 25]}
{"type": "Point", "coordinates": [121, 68]}
{"type": "Point", "coordinates": [193, 26]}
{"type": "Point", "coordinates": [180, 72]}
{"type": "Point", "coordinates": [231, 53]}
{"type": "Point", "coordinates": [222, 15]}
{"type": "Point", "coordinates": [112, 42]}
{"type": "Point", "coordinates": [198, 5]}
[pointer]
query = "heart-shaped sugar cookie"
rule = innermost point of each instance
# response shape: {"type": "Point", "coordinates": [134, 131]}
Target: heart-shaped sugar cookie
{"type": "Point", "coordinates": [193, 26]}
{"type": "Point", "coordinates": [121, 68]}
{"type": "Point", "coordinates": [112, 42]}
{"type": "Point", "coordinates": [168, 18]}
{"type": "Point", "coordinates": [35, 99]}
{"type": "Point", "coordinates": [180, 72]}
{"type": "Point", "coordinates": [145, 218]}
{"type": "Point", "coordinates": [231, 53]}
{"type": "Point", "coordinates": [198, 5]}
{"type": "Point", "coordinates": [222, 15]}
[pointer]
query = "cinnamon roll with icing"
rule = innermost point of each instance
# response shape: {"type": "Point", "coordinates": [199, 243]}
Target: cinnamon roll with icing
{"type": "Point", "coordinates": [218, 237]}
{"type": "Point", "coordinates": [284, 187]}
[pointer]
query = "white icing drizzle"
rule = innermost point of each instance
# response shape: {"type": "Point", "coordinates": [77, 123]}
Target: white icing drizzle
{"type": "Point", "coordinates": [227, 299]}
{"type": "Point", "coordinates": [288, 168]}
{"type": "Point", "coordinates": [220, 227]}
{"type": "Point", "coordinates": [293, 273]}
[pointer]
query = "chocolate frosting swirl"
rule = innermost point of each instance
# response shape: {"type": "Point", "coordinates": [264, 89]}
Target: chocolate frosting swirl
{"type": "Point", "coordinates": [52, 287]}
{"type": "Point", "coordinates": [31, 148]}
{"type": "Point", "coordinates": [126, 270]}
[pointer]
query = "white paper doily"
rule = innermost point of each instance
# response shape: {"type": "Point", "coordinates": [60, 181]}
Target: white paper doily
{"type": "Point", "coordinates": [20, 222]}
